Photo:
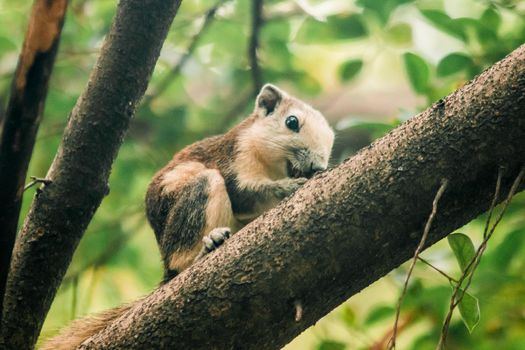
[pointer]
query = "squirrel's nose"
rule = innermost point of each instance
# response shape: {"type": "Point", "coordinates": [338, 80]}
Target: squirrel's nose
{"type": "Point", "coordinates": [314, 168]}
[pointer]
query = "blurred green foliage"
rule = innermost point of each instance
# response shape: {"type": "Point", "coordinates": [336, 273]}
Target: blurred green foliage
{"type": "Point", "coordinates": [317, 49]}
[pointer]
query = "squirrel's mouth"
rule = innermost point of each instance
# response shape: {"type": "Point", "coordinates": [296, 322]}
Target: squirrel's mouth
{"type": "Point", "coordinates": [292, 171]}
{"type": "Point", "coordinates": [295, 172]}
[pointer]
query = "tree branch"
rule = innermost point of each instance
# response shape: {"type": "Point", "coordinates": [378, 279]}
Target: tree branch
{"type": "Point", "coordinates": [343, 230]}
{"type": "Point", "coordinates": [22, 118]}
{"type": "Point", "coordinates": [61, 213]}
{"type": "Point", "coordinates": [257, 21]}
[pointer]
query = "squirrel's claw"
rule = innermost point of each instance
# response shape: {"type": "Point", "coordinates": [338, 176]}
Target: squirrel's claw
{"type": "Point", "coordinates": [213, 240]}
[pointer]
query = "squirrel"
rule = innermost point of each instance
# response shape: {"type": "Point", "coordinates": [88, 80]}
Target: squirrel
{"type": "Point", "coordinates": [214, 187]}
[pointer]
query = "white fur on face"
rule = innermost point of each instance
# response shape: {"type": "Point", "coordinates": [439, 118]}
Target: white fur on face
{"type": "Point", "coordinates": [267, 145]}
{"type": "Point", "coordinates": [314, 133]}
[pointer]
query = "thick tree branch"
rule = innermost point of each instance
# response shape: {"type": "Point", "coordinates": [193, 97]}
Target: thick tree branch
{"type": "Point", "coordinates": [80, 171]}
{"type": "Point", "coordinates": [22, 118]}
{"type": "Point", "coordinates": [344, 229]}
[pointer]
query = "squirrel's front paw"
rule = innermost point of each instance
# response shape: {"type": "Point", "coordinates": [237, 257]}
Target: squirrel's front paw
{"type": "Point", "coordinates": [289, 186]}
{"type": "Point", "coordinates": [213, 240]}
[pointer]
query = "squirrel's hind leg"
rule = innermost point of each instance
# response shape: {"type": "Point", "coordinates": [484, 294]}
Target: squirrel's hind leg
{"type": "Point", "coordinates": [216, 210]}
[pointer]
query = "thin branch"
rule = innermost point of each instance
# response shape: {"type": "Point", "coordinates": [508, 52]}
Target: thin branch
{"type": "Point", "coordinates": [468, 273]}
{"type": "Point", "coordinates": [452, 305]}
{"type": "Point", "coordinates": [37, 180]}
{"type": "Point", "coordinates": [22, 119]}
{"type": "Point", "coordinates": [257, 22]}
{"type": "Point", "coordinates": [492, 205]}
{"type": "Point", "coordinates": [175, 71]}
{"type": "Point", "coordinates": [443, 273]}
{"type": "Point", "coordinates": [419, 249]}
{"type": "Point", "coordinates": [382, 343]}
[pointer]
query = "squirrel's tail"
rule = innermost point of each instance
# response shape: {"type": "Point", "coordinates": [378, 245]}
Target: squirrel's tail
{"type": "Point", "coordinates": [80, 330]}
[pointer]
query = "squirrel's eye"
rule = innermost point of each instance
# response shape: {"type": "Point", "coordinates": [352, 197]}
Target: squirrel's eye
{"type": "Point", "coordinates": [292, 123]}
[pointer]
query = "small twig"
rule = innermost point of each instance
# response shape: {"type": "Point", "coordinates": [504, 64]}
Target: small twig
{"type": "Point", "coordinates": [444, 184]}
{"type": "Point", "coordinates": [443, 273]}
{"type": "Point", "coordinates": [493, 203]}
{"type": "Point", "coordinates": [385, 339]}
{"type": "Point", "coordinates": [468, 273]}
{"type": "Point", "coordinates": [257, 22]}
{"type": "Point", "coordinates": [37, 180]}
{"type": "Point", "coordinates": [298, 310]}
{"type": "Point", "coordinates": [175, 70]}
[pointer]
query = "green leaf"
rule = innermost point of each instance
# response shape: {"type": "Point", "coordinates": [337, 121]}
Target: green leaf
{"type": "Point", "coordinates": [399, 34]}
{"type": "Point", "coordinates": [348, 315]}
{"type": "Point", "coordinates": [349, 69]}
{"type": "Point", "coordinates": [6, 45]}
{"type": "Point", "coordinates": [336, 28]}
{"type": "Point", "coordinates": [418, 72]}
{"type": "Point", "coordinates": [487, 29]}
{"type": "Point", "coordinates": [487, 38]}
{"type": "Point", "coordinates": [350, 26]}
{"type": "Point", "coordinates": [378, 314]}
{"type": "Point", "coordinates": [432, 301]}
{"type": "Point", "coordinates": [381, 8]}
{"type": "Point", "coordinates": [490, 19]}
{"type": "Point", "coordinates": [463, 249]}
{"type": "Point", "coordinates": [446, 24]}
{"type": "Point", "coordinates": [469, 311]}
{"type": "Point", "coordinates": [453, 63]}
{"type": "Point", "coordinates": [502, 257]}
{"type": "Point", "coordinates": [331, 345]}
{"type": "Point", "coordinates": [426, 341]}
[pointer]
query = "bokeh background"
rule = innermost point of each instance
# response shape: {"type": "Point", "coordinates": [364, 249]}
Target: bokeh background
{"type": "Point", "coordinates": [368, 65]}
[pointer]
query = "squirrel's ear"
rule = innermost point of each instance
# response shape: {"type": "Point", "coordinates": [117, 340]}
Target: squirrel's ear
{"type": "Point", "coordinates": [268, 99]}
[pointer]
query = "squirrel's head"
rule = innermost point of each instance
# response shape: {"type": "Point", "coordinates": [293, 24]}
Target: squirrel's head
{"type": "Point", "coordinates": [294, 136]}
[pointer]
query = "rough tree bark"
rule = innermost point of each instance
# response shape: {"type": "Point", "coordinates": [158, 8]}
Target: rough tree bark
{"type": "Point", "coordinates": [343, 230]}
{"type": "Point", "coordinates": [23, 115]}
{"type": "Point", "coordinates": [60, 214]}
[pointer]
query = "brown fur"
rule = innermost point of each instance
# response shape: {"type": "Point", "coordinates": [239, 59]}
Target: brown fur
{"type": "Point", "coordinates": [81, 329]}
{"type": "Point", "coordinates": [244, 172]}
{"type": "Point", "coordinates": [211, 161]}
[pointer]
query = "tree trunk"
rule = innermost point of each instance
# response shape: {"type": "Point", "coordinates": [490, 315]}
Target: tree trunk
{"type": "Point", "coordinates": [24, 112]}
{"type": "Point", "coordinates": [60, 214]}
{"type": "Point", "coordinates": [343, 230]}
